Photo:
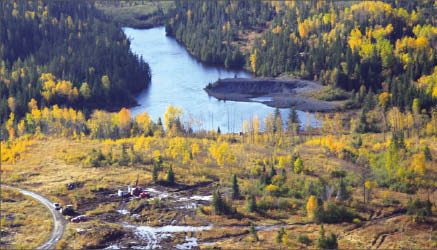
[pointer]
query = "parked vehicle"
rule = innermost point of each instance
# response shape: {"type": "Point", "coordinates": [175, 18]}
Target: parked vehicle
{"type": "Point", "coordinates": [68, 210]}
{"type": "Point", "coordinates": [144, 195]}
{"type": "Point", "coordinates": [57, 206]}
{"type": "Point", "coordinates": [122, 193]}
{"type": "Point", "coordinates": [79, 218]}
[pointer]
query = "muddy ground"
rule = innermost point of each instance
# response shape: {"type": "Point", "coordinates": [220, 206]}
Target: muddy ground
{"type": "Point", "coordinates": [280, 93]}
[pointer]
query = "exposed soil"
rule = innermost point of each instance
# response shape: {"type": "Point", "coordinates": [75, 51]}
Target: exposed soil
{"type": "Point", "coordinates": [280, 93]}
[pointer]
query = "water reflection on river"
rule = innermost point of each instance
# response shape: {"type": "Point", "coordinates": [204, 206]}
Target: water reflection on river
{"type": "Point", "coordinates": [178, 79]}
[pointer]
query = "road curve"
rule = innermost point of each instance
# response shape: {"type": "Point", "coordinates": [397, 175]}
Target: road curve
{"type": "Point", "coordinates": [58, 220]}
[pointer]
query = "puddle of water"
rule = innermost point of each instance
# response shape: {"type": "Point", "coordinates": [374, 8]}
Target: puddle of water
{"type": "Point", "coordinates": [190, 243]}
{"type": "Point", "coordinates": [152, 236]}
{"type": "Point", "coordinates": [269, 227]}
{"type": "Point", "coordinates": [262, 99]}
{"type": "Point", "coordinates": [202, 198]}
{"type": "Point", "coordinates": [123, 211]}
{"type": "Point", "coordinates": [160, 194]}
{"type": "Point", "coordinates": [115, 246]}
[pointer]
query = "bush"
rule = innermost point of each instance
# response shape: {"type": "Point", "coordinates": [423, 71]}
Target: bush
{"type": "Point", "coordinates": [304, 239]}
{"type": "Point", "coordinates": [420, 210]}
{"type": "Point", "coordinates": [334, 214]}
{"type": "Point", "coordinates": [338, 173]}
{"type": "Point", "coordinates": [329, 242]}
{"type": "Point", "coordinates": [390, 201]}
{"type": "Point", "coordinates": [404, 187]}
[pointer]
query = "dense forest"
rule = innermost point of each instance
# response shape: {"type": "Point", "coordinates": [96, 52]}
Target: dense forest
{"type": "Point", "coordinates": [65, 53]}
{"type": "Point", "coordinates": [378, 46]}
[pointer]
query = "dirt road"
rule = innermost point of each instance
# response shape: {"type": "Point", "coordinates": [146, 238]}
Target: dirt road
{"type": "Point", "coordinates": [58, 219]}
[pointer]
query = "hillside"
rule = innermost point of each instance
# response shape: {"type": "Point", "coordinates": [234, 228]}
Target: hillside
{"type": "Point", "coordinates": [67, 54]}
{"type": "Point", "coordinates": [372, 190]}
{"type": "Point", "coordinates": [378, 46]}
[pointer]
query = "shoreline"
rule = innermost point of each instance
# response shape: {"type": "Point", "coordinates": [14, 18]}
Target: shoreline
{"type": "Point", "coordinates": [273, 92]}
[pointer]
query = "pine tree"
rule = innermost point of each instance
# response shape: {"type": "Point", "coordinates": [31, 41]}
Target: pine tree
{"type": "Point", "coordinates": [217, 203]}
{"type": "Point", "coordinates": [124, 159]}
{"type": "Point", "coordinates": [293, 120]}
{"type": "Point", "coordinates": [235, 188]}
{"type": "Point", "coordinates": [251, 206]}
{"type": "Point", "coordinates": [427, 153]}
{"type": "Point", "coordinates": [342, 193]}
{"type": "Point", "coordinates": [276, 117]}
{"type": "Point", "coordinates": [170, 176]}
{"type": "Point", "coordinates": [272, 172]}
{"type": "Point", "coordinates": [327, 243]}
{"type": "Point", "coordinates": [321, 241]}
{"type": "Point", "coordinates": [155, 172]}
{"type": "Point", "coordinates": [280, 235]}
{"type": "Point", "coordinates": [252, 231]}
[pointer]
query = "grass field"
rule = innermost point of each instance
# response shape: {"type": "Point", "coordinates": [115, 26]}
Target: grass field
{"type": "Point", "coordinates": [136, 14]}
{"type": "Point", "coordinates": [51, 163]}
{"type": "Point", "coordinates": [25, 223]}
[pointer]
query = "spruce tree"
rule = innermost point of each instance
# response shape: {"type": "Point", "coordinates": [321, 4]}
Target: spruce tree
{"type": "Point", "coordinates": [217, 203]}
{"type": "Point", "coordinates": [276, 117]}
{"type": "Point", "coordinates": [281, 233]}
{"type": "Point", "coordinates": [170, 176]}
{"type": "Point", "coordinates": [235, 188]}
{"type": "Point", "coordinates": [155, 172]}
{"type": "Point", "coordinates": [251, 203]}
{"type": "Point", "coordinates": [342, 193]}
{"type": "Point", "coordinates": [252, 231]}
{"type": "Point", "coordinates": [293, 120]}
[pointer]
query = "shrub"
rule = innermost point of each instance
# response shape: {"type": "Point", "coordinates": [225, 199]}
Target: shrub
{"type": "Point", "coordinates": [304, 239]}
{"type": "Point", "coordinates": [420, 210]}
{"type": "Point", "coordinates": [390, 201]}
{"type": "Point", "coordinates": [334, 214]}
{"type": "Point", "coordinates": [338, 173]}
{"type": "Point", "coordinates": [329, 242]}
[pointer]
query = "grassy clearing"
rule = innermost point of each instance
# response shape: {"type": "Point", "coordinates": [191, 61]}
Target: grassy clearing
{"type": "Point", "coordinates": [56, 162]}
{"type": "Point", "coordinates": [136, 14]}
{"type": "Point", "coordinates": [24, 222]}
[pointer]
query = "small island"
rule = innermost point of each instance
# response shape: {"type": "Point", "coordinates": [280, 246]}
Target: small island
{"type": "Point", "coordinates": [280, 93]}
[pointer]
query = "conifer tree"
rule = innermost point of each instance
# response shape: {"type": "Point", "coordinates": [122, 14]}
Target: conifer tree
{"type": "Point", "coordinates": [235, 188]}
{"type": "Point", "coordinates": [251, 206]}
{"type": "Point", "coordinates": [170, 176]}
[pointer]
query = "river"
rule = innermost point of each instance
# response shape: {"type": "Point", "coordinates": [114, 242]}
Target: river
{"type": "Point", "coordinates": [178, 79]}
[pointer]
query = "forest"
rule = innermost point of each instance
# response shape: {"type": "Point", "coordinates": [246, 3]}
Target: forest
{"type": "Point", "coordinates": [380, 46]}
{"type": "Point", "coordinates": [362, 177]}
{"type": "Point", "coordinates": [64, 53]}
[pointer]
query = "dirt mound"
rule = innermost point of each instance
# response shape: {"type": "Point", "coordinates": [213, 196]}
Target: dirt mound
{"type": "Point", "coordinates": [281, 93]}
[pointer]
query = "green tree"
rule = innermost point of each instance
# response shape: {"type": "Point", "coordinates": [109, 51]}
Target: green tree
{"type": "Point", "coordinates": [281, 233]}
{"type": "Point", "coordinates": [218, 203]}
{"type": "Point", "coordinates": [155, 172]}
{"type": "Point", "coordinates": [251, 205]}
{"type": "Point", "coordinates": [170, 176]}
{"type": "Point", "coordinates": [293, 121]}
{"type": "Point", "coordinates": [252, 231]}
{"type": "Point", "coordinates": [342, 193]}
{"type": "Point", "coordinates": [326, 243]}
{"type": "Point", "coordinates": [427, 153]}
{"type": "Point", "coordinates": [235, 188]}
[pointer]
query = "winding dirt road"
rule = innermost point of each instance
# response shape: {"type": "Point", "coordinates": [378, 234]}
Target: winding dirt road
{"type": "Point", "coordinates": [58, 220]}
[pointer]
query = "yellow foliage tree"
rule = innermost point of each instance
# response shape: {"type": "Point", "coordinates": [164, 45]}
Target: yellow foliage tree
{"type": "Point", "coordinates": [311, 206]}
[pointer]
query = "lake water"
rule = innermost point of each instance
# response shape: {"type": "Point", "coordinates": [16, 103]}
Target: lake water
{"type": "Point", "coordinates": [178, 79]}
